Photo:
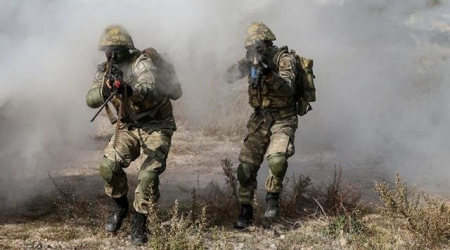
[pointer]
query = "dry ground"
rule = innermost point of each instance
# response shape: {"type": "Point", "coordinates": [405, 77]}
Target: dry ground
{"type": "Point", "coordinates": [73, 216]}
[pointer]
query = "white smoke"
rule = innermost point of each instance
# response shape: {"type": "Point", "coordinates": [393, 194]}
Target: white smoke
{"type": "Point", "coordinates": [381, 67]}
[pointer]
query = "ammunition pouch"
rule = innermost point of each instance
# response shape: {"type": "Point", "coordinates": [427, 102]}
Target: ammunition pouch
{"type": "Point", "coordinates": [303, 107]}
{"type": "Point", "coordinates": [279, 113]}
{"type": "Point", "coordinates": [160, 112]}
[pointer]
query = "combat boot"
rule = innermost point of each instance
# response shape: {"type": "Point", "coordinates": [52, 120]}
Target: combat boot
{"type": "Point", "coordinates": [118, 214]}
{"type": "Point", "coordinates": [139, 229]}
{"type": "Point", "coordinates": [273, 209]}
{"type": "Point", "coordinates": [245, 218]}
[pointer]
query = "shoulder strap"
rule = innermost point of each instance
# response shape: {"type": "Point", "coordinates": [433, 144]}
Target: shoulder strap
{"type": "Point", "coordinates": [282, 50]}
{"type": "Point", "coordinates": [152, 53]}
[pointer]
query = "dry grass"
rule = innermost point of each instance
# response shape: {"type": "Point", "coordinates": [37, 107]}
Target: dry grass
{"type": "Point", "coordinates": [231, 180]}
{"type": "Point", "coordinates": [325, 216]}
{"type": "Point", "coordinates": [337, 202]}
{"type": "Point", "coordinates": [222, 202]}
{"type": "Point", "coordinates": [297, 196]}
{"type": "Point", "coordinates": [180, 232]}
{"type": "Point", "coordinates": [184, 229]}
{"type": "Point", "coordinates": [428, 217]}
{"type": "Point", "coordinates": [77, 210]}
{"type": "Point", "coordinates": [339, 198]}
{"type": "Point", "coordinates": [67, 203]}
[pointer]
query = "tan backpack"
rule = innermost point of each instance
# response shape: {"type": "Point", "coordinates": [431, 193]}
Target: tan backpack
{"type": "Point", "coordinates": [305, 90]}
{"type": "Point", "coordinates": [166, 76]}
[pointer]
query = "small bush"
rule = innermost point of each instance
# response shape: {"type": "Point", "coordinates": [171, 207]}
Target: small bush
{"type": "Point", "coordinates": [222, 202]}
{"type": "Point", "coordinates": [427, 216]}
{"type": "Point", "coordinates": [231, 180]}
{"type": "Point", "coordinates": [68, 204]}
{"type": "Point", "coordinates": [296, 199]}
{"type": "Point", "coordinates": [180, 232]}
{"type": "Point", "coordinates": [302, 198]}
{"type": "Point", "coordinates": [339, 198]}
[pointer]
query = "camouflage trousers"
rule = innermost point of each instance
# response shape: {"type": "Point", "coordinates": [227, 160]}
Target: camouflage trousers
{"type": "Point", "coordinates": [267, 135]}
{"type": "Point", "coordinates": [154, 145]}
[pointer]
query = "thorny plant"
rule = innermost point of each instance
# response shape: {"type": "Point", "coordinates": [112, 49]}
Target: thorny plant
{"type": "Point", "coordinates": [333, 199]}
{"type": "Point", "coordinates": [231, 179]}
{"type": "Point", "coordinates": [339, 198]}
{"type": "Point", "coordinates": [76, 209]}
{"type": "Point", "coordinates": [337, 201]}
{"type": "Point", "coordinates": [342, 201]}
{"type": "Point", "coordinates": [68, 204]}
{"type": "Point", "coordinates": [182, 230]}
{"type": "Point", "coordinates": [296, 195]}
{"type": "Point", "coordinates": [222, 202]}
{"type": "Point", "coordinates": [427, 216]}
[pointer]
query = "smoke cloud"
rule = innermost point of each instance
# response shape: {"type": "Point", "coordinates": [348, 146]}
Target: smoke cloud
{"type": "Point", "coordinates": [381, 67]}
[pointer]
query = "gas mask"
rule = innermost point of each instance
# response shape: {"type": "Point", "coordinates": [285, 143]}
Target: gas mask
{"type": "Point", "coordinates": [120, 53]}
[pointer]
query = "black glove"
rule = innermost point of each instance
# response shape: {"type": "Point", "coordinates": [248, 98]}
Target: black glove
{"type": "Point", "coordinates": [263, 72]}
{"type": "Point", "coordinates": [264, 68]}
{"type": "Point", "coordinates": [106, 91]}
{"type": "Point", "coordinates": [123, 86]}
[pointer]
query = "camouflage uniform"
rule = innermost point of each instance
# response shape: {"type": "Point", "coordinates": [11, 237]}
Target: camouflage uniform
{"type": "Point", "coordinates": [146, 126]}
{"type": "Point", "coordinates": [272, 126]}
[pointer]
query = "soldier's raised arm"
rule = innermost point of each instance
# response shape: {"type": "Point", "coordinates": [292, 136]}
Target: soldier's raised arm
{"type": "Point", "coordinates": [237, 71]}
{"type": "Point", "coordinates": [284, 81]}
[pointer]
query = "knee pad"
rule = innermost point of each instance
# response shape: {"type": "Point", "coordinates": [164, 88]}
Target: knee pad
{"type": "Point", "coordinates": [108, 168]}
{"type": "Point", "coordinates": [148, 179]}
{"type": "Point", "coordinates": [278, 165]}
{"type": "Point", "coordinates": [244, 173]}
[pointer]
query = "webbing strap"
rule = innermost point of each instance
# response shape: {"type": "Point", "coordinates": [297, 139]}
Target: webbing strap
{"type": "Point", "coordinates": [111, 116]}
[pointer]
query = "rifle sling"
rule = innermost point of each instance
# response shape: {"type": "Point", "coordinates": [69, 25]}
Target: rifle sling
{"type": "Point", "coordinates": [111, 116]}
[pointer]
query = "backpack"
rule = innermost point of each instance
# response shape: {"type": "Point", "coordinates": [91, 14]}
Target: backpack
{"type": "Point", "coordinates": [166, 77]}
{"type": "Point", "coordinates": [305, 90]}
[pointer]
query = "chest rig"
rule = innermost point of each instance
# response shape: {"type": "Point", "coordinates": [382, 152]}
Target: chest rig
{"type": "Point", "coordinates": [138, 111]}
{"type": "Point", "coordinates": [266, 97]}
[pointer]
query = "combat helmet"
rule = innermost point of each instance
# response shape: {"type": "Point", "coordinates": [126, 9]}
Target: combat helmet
{"type": "Point", "coordinates": [115, 35]}
{"type": "Point", "coordinates": [258, 31]}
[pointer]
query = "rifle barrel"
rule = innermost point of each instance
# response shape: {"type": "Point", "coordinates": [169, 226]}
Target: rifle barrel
{"type": "Point", "coordinates": [103, 106]}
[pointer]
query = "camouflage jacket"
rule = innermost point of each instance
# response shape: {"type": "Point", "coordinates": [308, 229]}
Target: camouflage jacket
{"type": "Point", "coordinates": [147, 107]}
{"type": "Point", "coordinates": [277, 92]}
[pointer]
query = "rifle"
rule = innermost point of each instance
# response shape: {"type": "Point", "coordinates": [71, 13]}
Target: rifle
{"type": "Point", "coordinates": [114, 76]}
{"type": "Point", "coordinates": [257, 69]}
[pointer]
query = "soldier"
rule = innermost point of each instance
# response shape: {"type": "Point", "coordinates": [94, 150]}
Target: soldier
{"type": "Point", "coordinates": [145, 124]}
{"type": "Point", "coordinates": [271, 128]}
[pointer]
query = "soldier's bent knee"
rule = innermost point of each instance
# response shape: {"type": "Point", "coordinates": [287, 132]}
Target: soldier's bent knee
{"type": "Point", "coordinates": [278, 165]}
{"type": "Point", "coordinates": [148, 179]}
{"type": "Point", "coordinates": [244, 173]}
{"type": "Point", "coordinates": [108, 169]}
